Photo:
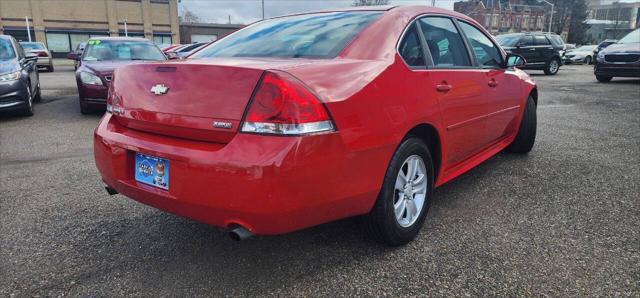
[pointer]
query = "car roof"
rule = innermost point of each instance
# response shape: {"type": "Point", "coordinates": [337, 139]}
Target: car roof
{"type": "Point", "coordinates": [401, 9]}
{"type": "Point", "coordinates": [123, 38]}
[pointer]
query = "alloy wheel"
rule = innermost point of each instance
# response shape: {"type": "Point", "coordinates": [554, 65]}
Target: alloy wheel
{"type": "Point", "coordinates": [410, 191]}
{"type": "Point", "coordinates": [553, 66]}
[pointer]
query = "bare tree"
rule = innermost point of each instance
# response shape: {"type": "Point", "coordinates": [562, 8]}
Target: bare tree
{"type": "Point", "coordinates": [188, 17]}
{"type": "Point", "coordinates": [370, 2]}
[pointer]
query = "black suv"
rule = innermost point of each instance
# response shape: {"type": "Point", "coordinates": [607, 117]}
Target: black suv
{"type": "Point", "coordinates": [542, 51]}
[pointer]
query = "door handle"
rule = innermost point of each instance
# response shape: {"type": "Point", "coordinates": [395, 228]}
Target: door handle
{"type": "Point", "coordinates": [493, 83]}
{"type": "Point", "coordinates": [443, 87]}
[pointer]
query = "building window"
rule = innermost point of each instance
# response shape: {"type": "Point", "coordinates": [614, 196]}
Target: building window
{"type": "Point", "coordinates": [162, 39]}
{"type": "Point", "coordinates": [58, 42]}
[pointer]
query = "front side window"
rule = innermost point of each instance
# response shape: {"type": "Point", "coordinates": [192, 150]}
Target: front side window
{"type": "Point", "coordinates": [410, 48]}
{"type": "Point", "coordinates": [508, 40]}
{"type": "Point", "coordinates": [6, 50]}
{"type": "Point", "coordinates": [444, 41]}
{"type": "Point", "coordinates": [487, 54]}
{"type": "Point", "coordinates": [319, 35]}
{"type": "Point", "coordinates": [108, 50]}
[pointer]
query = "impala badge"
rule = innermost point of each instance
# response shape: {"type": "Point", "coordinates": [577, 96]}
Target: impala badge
{"type": "Point", "coordinates": [159, 89]}
{"type": "Point", "coordinates": [220, 124]}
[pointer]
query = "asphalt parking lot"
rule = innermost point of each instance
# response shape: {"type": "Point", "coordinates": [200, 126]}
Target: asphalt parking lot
{"type": "Point", "coordinates": [561, 221]}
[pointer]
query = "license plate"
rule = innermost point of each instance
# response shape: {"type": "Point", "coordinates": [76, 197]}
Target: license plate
{"type": "Point", "coordinates": [152, 170]}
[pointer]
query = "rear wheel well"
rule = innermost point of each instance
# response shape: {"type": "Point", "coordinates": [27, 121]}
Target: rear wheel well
{"type": "Point", "coordinates": [429, 135]}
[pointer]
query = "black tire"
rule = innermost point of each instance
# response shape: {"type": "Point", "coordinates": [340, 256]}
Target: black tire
{"type": "Point", "coordinates": [603, 79]}
{"type": "Point", "coordinates": [38, 96]}
{"type": "Point", "coordinates": [526, 136]}
{"type": "Point", "coordinates": [28, 111]}
{"type": "Point", "coordinates": [381, 223]}
{"type": "Point", "coordinates": [84, 109]}
{"type": "Point", "coordinates": [50, 68]}
{"type": "Point", "coordinates": [587, 60]}
{"type": "Point", "coordinates": [549, 69]}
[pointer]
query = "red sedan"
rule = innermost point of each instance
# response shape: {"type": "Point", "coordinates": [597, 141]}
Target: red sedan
{"type": "Point", "coordinates": [300, 120]}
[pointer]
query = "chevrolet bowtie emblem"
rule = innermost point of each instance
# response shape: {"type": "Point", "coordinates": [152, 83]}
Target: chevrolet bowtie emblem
{"type": "Point", "coordinates": [159, 89]}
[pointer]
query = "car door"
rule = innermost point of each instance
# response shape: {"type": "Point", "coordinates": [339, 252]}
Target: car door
{"type": "Point", "coordinates": [544, 48]}
{"type": "Point", "coordinates": [457, 87]}
{"type": "Point", "coordinates": [28, 66]}
{"type": "Point", "coordinates": [502, 88]}
{"type": "Point", "coordinates": [527, 49]}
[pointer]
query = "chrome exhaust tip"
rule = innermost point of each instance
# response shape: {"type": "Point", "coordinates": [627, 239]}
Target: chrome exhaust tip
{"type": "Point", "coordinates": [239, 233]}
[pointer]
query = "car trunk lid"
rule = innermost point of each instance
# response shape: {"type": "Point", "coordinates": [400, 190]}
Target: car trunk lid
{"type": "Point", "coordinates": [203, 100]}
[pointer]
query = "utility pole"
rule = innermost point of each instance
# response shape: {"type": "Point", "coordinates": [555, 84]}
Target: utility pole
{"type": "Point", "coordinates": [433, 3]}
{"type": "Point", "coordinates": [551, 17]}
{"type": "Point", "coordinates": [26, 19]}
{"type": "Point", "coordinates": [263, 9]}
{"type": "Point", "coordinates": [126, 31]}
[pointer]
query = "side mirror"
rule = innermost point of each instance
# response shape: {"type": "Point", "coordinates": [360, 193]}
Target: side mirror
{"type": "Point", "coordinates": [514, 60]}
{"type": "Point", "coordinates": [31, 57]}
{"type": "Point", "coordinates": [172, 55]}
{"type": "Point", "coordinates": [73, 56]}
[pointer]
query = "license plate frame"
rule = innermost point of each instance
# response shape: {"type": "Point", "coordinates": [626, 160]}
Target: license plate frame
{"type": "Point", "coordinates": [152, 170]}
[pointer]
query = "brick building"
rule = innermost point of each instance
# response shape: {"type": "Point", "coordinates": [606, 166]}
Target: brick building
{"type": "Point", "coordinates": [506, 16]}
{"type": "Point", "coordinates": [62, 24]}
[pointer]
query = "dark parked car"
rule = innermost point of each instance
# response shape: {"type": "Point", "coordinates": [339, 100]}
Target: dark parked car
{"type": "Point", "coordinates": [605, 43]}
{"type": "Point", "coordinates": [621, 59]}
{"type": "Point", "coordinates": [542, 51]}
{"type": "Point", "coordinates": [19, 81]}
{"type": "Point", "coordinates": [45, 59]}
{"type": "Point", "coordinates": [98, 61]}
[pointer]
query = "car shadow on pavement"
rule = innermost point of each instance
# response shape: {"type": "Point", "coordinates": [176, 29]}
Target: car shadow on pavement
{"type": "Point", "coordinates": [162, 245]}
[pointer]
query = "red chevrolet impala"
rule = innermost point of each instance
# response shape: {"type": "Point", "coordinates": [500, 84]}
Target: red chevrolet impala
{"type": "Point", "coordinates": [300, 120]}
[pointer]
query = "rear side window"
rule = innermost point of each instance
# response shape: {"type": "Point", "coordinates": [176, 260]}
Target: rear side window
{"type": "Point", "coordinates": [444, 41]}
{"type": "Point", "coordinates": [541, 40]}
{"type": "Point", "coordinates": [410, 48]}
{"type": "Point", "coordinates": [486, 52]}
{"type": "Point", "coordinates": [527, 41]}
{"type": "Point", "coordinates": [319, 35]}
{"type": "Point", "coordinates": [556, 40]}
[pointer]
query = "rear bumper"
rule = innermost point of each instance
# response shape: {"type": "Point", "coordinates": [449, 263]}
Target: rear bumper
{"type": "Point", "coordinates": [617, 69]}
{"type": "Point", "coordinates": [269, 185]}
{"type": "Point", "coordinates": [44, 62]}
{"type": "Point", "coordinates": [13, 95]}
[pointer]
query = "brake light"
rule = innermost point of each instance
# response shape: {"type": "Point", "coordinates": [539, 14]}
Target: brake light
{"type": "Point", "coordinates": [114, 103]}
{"type": "Point", "coordinates": [42, 54]}
{"type": "Point", "coordinates": [283, 105]}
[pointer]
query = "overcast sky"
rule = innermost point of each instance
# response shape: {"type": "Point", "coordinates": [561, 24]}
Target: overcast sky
{"type": "Point", "coordinates": [247, 11]}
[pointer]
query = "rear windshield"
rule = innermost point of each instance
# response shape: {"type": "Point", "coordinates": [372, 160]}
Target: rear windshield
{"type": "Point", "coordinates": [321, 35]}
{"type": "Point", "coordinates": [108, 50]}
{"type": "Point", "coordinates": [6, 50]}
{"type": "Point", "coordinates": [32, 46]}
{"type": "Point", "coordinates": [508, 40]}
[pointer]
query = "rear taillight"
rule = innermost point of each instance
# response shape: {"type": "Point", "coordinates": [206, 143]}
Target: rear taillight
{"type": "Point", "coordinates": [283, 105]}
{"type": "Point", "coordinates": [114, 103]}
{"type": "Point", "coordinates": [43, 54]}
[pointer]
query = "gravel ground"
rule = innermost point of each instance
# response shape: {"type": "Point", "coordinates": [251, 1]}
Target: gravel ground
{"type": "Point", "coordinates": [561, 221]}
